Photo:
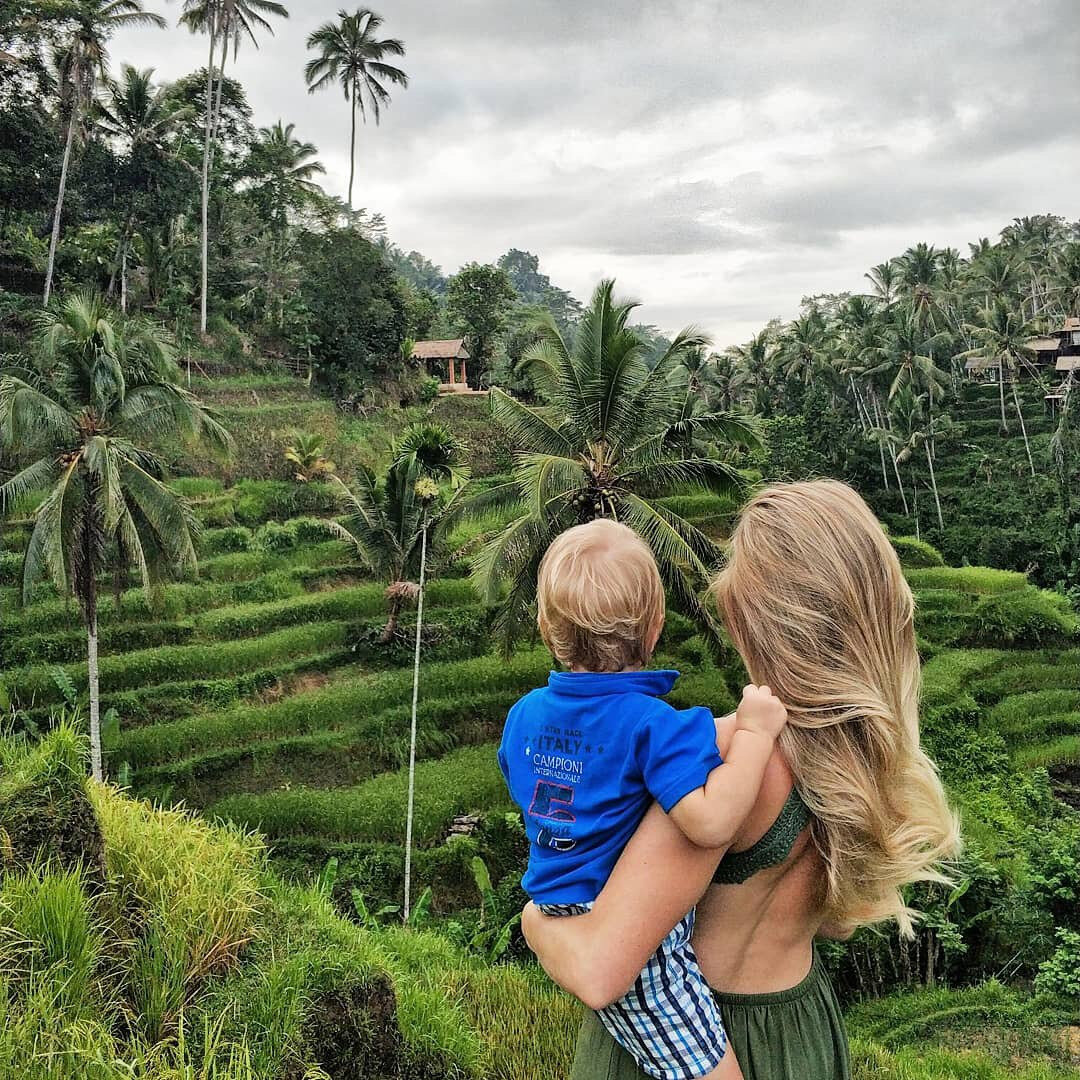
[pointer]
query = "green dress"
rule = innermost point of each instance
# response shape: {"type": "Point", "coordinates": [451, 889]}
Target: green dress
{"type": "Point", "coordinates": [795, 1034]}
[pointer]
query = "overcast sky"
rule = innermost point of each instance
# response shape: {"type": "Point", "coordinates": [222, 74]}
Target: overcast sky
{"type": "Point", "coordinates": [720, 160]}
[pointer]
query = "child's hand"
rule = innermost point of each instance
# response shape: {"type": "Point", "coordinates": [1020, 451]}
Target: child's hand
{"type": "Point", "coordinates": [761, 711]}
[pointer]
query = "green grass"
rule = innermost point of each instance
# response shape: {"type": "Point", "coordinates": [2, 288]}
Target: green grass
{"type": "Point", "coordinates": [331, 708]}
{"type": "Point", "coordinates": [464, 780]}
{"type": "Point", "coordinates": [966, 579]}
{"type": "Point", "coordinates": [359, 602]}
{"type": "Point", "coordinates": [148, 666]}
{"type": "Point", "coordinates": [373, 744]}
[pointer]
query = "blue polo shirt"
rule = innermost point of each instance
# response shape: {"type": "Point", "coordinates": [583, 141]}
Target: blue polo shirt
{"type": "Point", "coordinates": [584, 757]}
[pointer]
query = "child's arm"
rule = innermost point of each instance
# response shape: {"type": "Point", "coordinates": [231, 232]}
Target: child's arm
{"type": "Point", "coordinates": [712, 815]}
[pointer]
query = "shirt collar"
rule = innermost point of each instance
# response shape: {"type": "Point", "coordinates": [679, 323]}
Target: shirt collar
{"type": "Point", "coordinates": [592, 683]}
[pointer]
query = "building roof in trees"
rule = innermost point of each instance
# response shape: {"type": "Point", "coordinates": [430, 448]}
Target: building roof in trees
{"type": "Point", "coordinates": [450, 349]}
{"type": "Point", "coordinates": [1044, 344]}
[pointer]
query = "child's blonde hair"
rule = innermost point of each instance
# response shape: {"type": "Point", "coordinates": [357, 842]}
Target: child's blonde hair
{"type": "Point", "coordinates": [599, 596]}
{"type": "Point", "coordinates": [815, 601]}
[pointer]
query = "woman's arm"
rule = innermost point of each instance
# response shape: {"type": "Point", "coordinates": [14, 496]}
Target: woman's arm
{"type": "Point", "coordinates": [659, 877]}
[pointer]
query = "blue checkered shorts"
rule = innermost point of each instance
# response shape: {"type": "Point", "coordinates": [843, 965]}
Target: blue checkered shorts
{"type": "Point", "coordinates": [668, 1022]}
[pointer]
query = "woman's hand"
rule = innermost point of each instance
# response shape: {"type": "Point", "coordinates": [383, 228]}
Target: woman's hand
{"type": "Point", "coordinates": [659, 877]}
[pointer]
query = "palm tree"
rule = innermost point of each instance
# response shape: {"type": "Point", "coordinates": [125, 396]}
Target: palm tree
{"type": "Point", "coordinates": [350, 54]}
{"type": "Point", "coordinates": [307, 452]}
{"type": "Point", "coordinates": [920, 431]}
{"type": "Point", "coordinates": [885, 279]}
{"type": "Point", "coordinates": [79, 62]}
{"type": "Point", "coordinates": [803, 347]}
{"type": "Point", "coordinates": [388, 521]}
{"type": "Point", "coordinates": [81, 414]}
{"type": "Point", "coordinates": [220, 20]}
{"type": "Point", "coordinates": [142, 117]}
{"type": "Point", "coordinates": [285, 169]}
{"type": "Point", "coordinates": [1002, 337]}
{"type": "Point", "coordinates": [606, 446]}
{"type": "Point", "coordinates": [1067, 277]}
{"type": "Point", "coordinates": [906, 356]}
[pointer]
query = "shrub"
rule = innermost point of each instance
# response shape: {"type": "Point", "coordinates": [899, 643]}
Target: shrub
{"type": "Point", "coordinates": [1061, 973]}
{"type": "Point", "coordinates": [916, 554]}
{"type": "Point", "coordinates": [10, 567]}
{"type": "Point", "coordinates": [1025, 619]}
{"type": "Point", "coordinates": [222, 541]}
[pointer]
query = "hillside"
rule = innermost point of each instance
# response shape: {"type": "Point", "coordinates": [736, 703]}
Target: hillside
{"type": "Point", "coordinates": [258, 696]}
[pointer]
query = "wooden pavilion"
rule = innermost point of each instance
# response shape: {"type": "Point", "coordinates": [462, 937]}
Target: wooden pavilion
{"type": "Point", "coordinates": [446, 361]}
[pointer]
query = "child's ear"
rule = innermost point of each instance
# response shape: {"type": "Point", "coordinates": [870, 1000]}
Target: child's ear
{"type": "Point", "coordinates": [654, 635]}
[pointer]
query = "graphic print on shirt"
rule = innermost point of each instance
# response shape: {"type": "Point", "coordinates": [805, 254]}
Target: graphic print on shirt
{"type": "Point", "coordinates": [557, 757]}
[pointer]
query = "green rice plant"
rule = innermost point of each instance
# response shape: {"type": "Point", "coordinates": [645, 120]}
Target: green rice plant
{"type": "Point", "coordinates": [222, 541]}
{"type": "Point", "coordinates": [950, 673]}
{"type": "Point", "coordinates": [359, 602]}
{"type": "Point", "coordinates": [195, 487]}
{"type": "Point", "coordinates": [374, 743]}
{"type": "Point", "coordinates": [1018, 673]}
{"type": "Point", "coordinates": [68, 646]}
{"type": "Point", "coordinates": [243, 565]}
{"type": "Point", "coordinates": [1012, 713]}
{"type": "Point", "coordinates": [148, 666]}
{"type": "Point", "coordinates": [970, 579]}
{"type": "Point", "coordinates": [330, 708]}
{"type": "Point", "coordinates": [465, 780]}
{"type": "Point", "coordinates": [47, 937]}
{"type": "Point", "coordinates": [1027, 619]}
{"type": "Point", "coordinates": [1062, 751]}
{"type": "Point", "coordinates": [916, 554]}
{"type": "Point", "coordinates": [195, 891]}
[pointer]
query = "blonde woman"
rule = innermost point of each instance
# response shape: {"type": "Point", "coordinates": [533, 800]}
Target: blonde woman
{"type": "Point", "coordinates": [850, 811]}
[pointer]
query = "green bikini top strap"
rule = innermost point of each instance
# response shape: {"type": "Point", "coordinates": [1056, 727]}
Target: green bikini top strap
{"type": "Point", "coordinates": [772, 849]}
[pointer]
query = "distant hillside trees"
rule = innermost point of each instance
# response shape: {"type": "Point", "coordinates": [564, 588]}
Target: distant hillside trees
{"type": "Point", "coordinates": [356, 304]}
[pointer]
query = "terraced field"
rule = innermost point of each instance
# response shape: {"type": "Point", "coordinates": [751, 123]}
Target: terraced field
{"type": "Point", "coordinates": [258, 694]}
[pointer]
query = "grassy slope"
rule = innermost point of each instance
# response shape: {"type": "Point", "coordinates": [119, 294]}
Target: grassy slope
{"type": "Point", "coordinates": [264, 715]}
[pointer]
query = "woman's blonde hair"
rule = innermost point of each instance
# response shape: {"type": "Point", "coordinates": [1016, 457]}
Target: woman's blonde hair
{"type": "Point", "coordinates": [816, 603]}
{"type": "Point", "coordinates": [600, 599]}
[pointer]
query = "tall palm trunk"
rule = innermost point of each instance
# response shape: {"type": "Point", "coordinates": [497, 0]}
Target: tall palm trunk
{"type": "Point", "coordinates": [933, 484]}
{"type": "Point", "coordinates": [55, 238]}
{"type": "Point", "coordinates": [352, 143]}
{"type": "Point", "coordinates": [215, 131]}
{"type": "Point", "coordinates": [899, 482]}
{"type": "Point", "coordinates": [412, 733]}
{"type": "Point", "coordinates": [1023, 426]}
{"type": "Point", "coordinates": [86, 587]}
{"type": "Point", "coordinates": [1001, 394]}
{"type": "Point", "coordinates": [206, 172]}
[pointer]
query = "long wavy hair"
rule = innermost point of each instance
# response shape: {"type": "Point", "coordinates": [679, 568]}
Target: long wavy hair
{"type": "Point", "coordinates": [815, 601]}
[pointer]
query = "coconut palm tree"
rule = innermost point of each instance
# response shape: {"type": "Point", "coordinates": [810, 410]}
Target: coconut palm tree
{"type": "Point", "coordinates": [285, 167]}
{"type": "Point", "coordinates": [142, 118]}
{"type": "Point", "coordinates": [307, 452]}
{"type": "Point", "coordinates": [885, 279]}
{"type": "Point", "coordinates": [920, 430]}
{"type": "Point", "coordinates": [1067, 277]}
{"type": "Point", "coordinates": [78, 420]}
{"type": "Point", "coordinates": [81, 60]}
{"type": "Point", "coordinates": [906, 356]}
{"type": "Point", "coordinates": [606, 446]}
{"type": "Point", "coordinates": [1001, 336]}
{"type": "Point", "coordinates": [222, 21]}
{"type": "Point", "coordinates": [350, 54]}
{"type": "Point", "coordinates": [387, 521]}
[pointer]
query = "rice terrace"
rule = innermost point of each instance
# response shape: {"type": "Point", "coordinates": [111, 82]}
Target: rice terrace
{"type": "Point", "coordinates": [275, 490]}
